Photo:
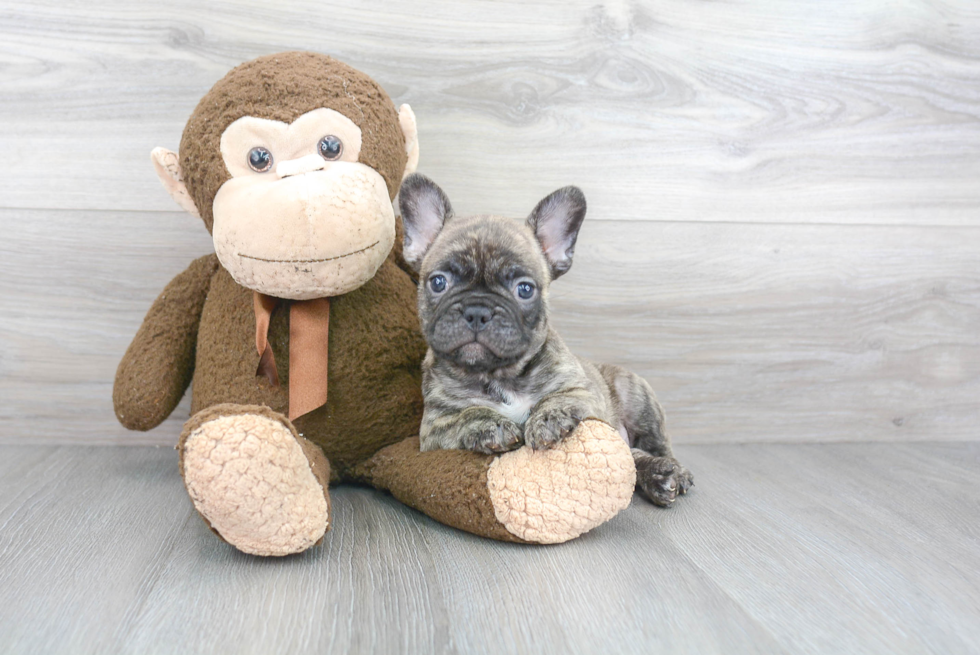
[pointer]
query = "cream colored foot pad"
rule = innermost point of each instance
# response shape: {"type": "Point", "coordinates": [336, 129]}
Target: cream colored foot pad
{"type": "Point", "coordinates": [248, 476]}
{"type": "Point", "coordinates": [554, 495]}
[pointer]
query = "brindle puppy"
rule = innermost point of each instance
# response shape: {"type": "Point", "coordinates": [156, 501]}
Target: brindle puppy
{"type": "Point", "coordinates": [496, 375]}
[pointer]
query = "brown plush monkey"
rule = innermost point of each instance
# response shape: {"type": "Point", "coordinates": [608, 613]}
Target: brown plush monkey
{"type": "Point", "coordinates": [300, 333]}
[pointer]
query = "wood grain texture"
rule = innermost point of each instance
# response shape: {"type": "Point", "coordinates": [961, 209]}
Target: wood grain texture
{"type": "Point", "coordinates": [779, 549]}
{"type": "Point", "coordinates": [747, 332]}
{"type": "Point", "coordinates": [715, 141]}
{"type": "Point", "coordinates": [786, 333]}
{"type": "Point", "coordinates": [82, 535]}
{"type": "Point", "coordinates": [843, 549]}
{"type": "Point", "coordinates": [851, 112]}
{"type": "Point", "coordinates": [74, 287]}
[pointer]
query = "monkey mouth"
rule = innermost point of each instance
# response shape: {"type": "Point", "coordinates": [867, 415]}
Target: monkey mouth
{"type": "Point", "coordinates": [307, 261]}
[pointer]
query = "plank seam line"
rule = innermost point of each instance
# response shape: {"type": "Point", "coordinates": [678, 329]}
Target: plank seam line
{"type": "Point", "coordinates": [593, 220]}
{"type": "Point", "coordinates": [699, 444]}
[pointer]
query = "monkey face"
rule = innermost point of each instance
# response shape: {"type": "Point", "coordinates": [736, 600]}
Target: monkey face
{"type": "Point", "coordinates": [300, 217]}
{"type": "Point", "coordinates": [291, 161]}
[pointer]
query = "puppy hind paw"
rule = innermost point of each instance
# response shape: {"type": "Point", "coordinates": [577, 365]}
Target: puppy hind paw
{"type": "Point", "coordinates": [661, 479]}
{"type": "Point", "coordinates": [685, 480]}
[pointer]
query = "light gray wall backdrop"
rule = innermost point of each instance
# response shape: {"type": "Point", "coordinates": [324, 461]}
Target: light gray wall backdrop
{"type": "Point", "coordinates": [784, 197]}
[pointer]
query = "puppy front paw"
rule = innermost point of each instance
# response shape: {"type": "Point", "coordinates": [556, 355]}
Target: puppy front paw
{"type": "Point", "coordinates": [544, 429]}
{"type": "Point", "coordinates": [661, 479]}
{"type": "Point", "coordinates": [492, 435]}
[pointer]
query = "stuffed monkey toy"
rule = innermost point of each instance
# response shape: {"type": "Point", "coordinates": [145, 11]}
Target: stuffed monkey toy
{"type": "Point", "coordinates": [300, 333]}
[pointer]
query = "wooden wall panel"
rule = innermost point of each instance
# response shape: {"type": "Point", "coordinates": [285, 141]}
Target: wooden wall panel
{"type": "Point", "coordinates": [784, 222]}
{"type": "Point", "coordinates": [854, 112]}
{"type": "Point", "coordinates": [786, 332]}
{"type": "Point", "coordinates": [748, 332]}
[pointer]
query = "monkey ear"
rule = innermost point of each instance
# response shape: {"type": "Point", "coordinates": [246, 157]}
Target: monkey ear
{"type": "Point", "coordinates": [556, 222]}
{"type": "Point", "coordinates": [167, 165]}
{"type": "Point", "coordinates": [425, 209]}
{"type": "Point", "coordinates": [406, 118]}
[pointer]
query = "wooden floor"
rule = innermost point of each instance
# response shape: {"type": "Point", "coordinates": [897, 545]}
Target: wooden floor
{"type": "Point", "coordinates": [844, 548]}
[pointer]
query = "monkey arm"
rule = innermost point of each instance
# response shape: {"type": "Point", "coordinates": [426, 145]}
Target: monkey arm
{"type": "Point", "coordinates": [159, 363]}
{"type": "Point", "coordinates": [526, 496]}
{"type": "Point", "coordinates": [449, 485]}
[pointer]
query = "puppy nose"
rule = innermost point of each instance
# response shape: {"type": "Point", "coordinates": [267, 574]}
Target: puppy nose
{"type": "Point", "coordinates": [477, 317]}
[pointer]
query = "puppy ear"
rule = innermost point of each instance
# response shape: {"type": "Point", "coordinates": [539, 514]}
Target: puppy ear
{"type": "Point", "coordinates": [425, 209]}
{"type": "Point", "coordinates": [556, 222]}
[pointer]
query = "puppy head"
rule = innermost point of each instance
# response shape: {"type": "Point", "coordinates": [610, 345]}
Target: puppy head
{"type": "Point", "coordinates": [483, 280]}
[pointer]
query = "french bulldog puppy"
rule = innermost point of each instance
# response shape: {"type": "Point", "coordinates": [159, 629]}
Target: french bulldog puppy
{"type": "Point", "coordinates": [496, 375]}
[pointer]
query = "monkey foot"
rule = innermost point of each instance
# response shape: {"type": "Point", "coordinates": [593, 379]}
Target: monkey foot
{"type": "Point", "coordinates": [551, 496]}
{"type": "Point", "coordinates": [258, 484]}
{"type": "Point", "coordinates": [534, 496]}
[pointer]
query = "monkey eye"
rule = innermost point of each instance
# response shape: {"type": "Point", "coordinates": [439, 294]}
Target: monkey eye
{"type": "Point", "coordinates": [525, 290]}
{"type": "Point", "coordinates": [330, 147]}
{"type": "Point", "coordinates": [437, 283]}
{"type": "Point", "coordinates": [259, 159]}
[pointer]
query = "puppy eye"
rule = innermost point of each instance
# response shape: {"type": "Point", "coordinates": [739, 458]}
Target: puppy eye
{"type": "Point", "coordinates": [259, 160]}
{"type": "Point", "coordinates": [330, 147]}
{"type": "Point", "coordinates": [525, 290]}
{"type": "Point", "coordinates": [437, 283]}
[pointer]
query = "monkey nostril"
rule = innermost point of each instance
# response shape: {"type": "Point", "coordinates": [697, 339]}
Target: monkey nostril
{"type": "Point", "coordinates": [477, 317]}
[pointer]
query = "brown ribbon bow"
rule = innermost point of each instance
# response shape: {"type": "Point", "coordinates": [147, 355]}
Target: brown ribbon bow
{"type": "Point", "coordinates": [309, 327]}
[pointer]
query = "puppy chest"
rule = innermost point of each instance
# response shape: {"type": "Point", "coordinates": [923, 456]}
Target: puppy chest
{"type": "Point", "coordinates": [515, 407]}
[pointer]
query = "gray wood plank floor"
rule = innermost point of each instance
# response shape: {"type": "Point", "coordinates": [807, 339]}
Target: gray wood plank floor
{"type": "Point", "coordinates": [833, 548]}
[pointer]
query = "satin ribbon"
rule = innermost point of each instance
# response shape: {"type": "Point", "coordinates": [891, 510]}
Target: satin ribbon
{"type": "Point", "coordinates": [309, 327]}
